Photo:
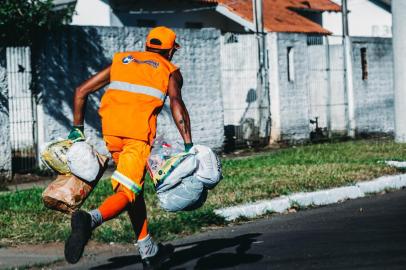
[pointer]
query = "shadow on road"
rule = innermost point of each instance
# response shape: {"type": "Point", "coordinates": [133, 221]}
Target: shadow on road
{"type": "Point", "coordinates": [119, 262]}
{"type": "Point", "coordinates": [201, 250]}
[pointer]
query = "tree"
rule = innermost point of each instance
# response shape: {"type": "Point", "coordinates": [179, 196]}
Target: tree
{"type": "Point", "coordinates": [22, 20]}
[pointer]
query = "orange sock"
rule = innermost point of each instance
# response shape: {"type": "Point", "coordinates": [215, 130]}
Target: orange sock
{"type": "Point", "coordinates": [114, 205]}
{"type": "Point", "coordinates": [144, 230]}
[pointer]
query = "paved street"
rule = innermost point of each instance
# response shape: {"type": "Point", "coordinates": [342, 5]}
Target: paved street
{"type": "Point", "coordinates": [367, 233]}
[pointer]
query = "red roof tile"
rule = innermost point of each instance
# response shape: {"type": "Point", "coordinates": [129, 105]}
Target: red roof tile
{"type": "Point", "coordinates": [280, 15]}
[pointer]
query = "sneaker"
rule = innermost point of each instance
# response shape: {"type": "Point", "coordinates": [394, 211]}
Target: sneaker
{"type": "Point", "coordinates": [81, 232]}
{"type": "Point", "coordinates": [156, 261]}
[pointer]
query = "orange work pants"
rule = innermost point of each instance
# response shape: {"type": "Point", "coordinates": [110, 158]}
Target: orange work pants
{"type": "Point", "coordinates": [131, 157]}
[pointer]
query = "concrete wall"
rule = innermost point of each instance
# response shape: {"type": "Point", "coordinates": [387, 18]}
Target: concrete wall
{"type": "Point", "coordinates": [5, 145]}
{"type": "Point", "coordinates": [317, 89]}
{"type": "Point", "coordinates": [64, 59]}
{"type": "Point", "coordinates": [374, 97]}
{"type": "Point", "coordinates": [207, 18]}
{"type": "Point", "coordinates": [292, 97]}
{"type": "Point", "coordinates": [239, 67]}
{"type": "Point", "coordinates": [100, 13]}
{"type": "Point", "coordinates": [325, 85]}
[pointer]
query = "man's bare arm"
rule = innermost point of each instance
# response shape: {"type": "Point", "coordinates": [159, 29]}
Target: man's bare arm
{"type": "Point", "coordinates": [178, 108]}
{"type": "Point", "coordinates": [81, 93]}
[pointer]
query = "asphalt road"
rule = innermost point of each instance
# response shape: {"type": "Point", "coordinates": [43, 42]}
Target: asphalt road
{"type": "Point", "coordinates": [368, 233]}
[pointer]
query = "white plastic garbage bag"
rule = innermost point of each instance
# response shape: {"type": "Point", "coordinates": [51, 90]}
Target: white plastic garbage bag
{"type": "Point", "coordinates": [187, 195]}
{"type": "Point", "coordinates": [54, 155]}
{"type": "Point", "coordinates": [209, 166]}
{"type": "Point", "coordinates": [182, 178]}
{"type": "Point", "coordinates": [83, 161]}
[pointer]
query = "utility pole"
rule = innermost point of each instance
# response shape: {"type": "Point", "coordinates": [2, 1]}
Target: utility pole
{"type": "Point", "coordinates": [262, 75]}
{"type": "Point", "coordinates": [348, 80]}
{"type": "Point", "coordinates": [399, 55]}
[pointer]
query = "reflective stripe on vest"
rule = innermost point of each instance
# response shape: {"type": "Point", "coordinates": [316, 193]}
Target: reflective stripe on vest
{"type": "Point", "coordinates": [127, 182]}
{"type": "Point", "coordinates": [138, 89]}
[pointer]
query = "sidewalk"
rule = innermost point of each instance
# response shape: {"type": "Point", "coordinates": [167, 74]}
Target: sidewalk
{"type": "Point", "coordinates": [44, 183]}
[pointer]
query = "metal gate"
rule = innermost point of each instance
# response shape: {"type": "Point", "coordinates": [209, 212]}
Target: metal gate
{"type": "Point", "coordinates": [326, 88]}
{"type": "Point", "coordinates": [239, 67]}
{"type": "Point", "coordinates": [21, 109]}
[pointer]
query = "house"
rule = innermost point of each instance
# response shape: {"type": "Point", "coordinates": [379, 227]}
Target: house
{"type": "Point", "coordinates": [369, 18]}
{"type": "Point", "coordinates": [227, 15]}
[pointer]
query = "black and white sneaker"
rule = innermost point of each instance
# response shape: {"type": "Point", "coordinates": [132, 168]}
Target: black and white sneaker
{"type": "Point", "coordinates": [156, 261]}
{"type": "Point", "coordinates": [81, 232]}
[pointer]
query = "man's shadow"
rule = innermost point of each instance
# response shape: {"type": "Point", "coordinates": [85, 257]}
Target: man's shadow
{"type": "Point", "coordinates": [201, 250]}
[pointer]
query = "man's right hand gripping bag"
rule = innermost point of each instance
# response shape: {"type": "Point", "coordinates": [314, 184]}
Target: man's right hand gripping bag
{"type": "Point", "coordinates": [181, 182]}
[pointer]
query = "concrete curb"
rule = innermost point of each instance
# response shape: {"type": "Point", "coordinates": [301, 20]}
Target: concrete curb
{"type": "Point", "coordinates": [317, 198]}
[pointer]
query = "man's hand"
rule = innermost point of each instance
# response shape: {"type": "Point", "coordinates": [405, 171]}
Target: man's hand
{"type": "Point", "coordinates": [77, 134]}
{"type": "Point", "coordinates": [188, 146]}
{"type": "Point", "coordinates": [178, 108]}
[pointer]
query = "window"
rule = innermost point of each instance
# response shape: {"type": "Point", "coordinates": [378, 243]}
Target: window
{"type": "Point", "coordinates": [146, 23]}
{"type": "Point", "coordinates": [364, 64]}
{"type": "Point", "coordinates": [195, 25]}
{"type": "Point", "coordinates": [291, 64]}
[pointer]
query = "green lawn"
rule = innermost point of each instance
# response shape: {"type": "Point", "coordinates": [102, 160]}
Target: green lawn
{"type": "Point", "coordinates": [23, 219]}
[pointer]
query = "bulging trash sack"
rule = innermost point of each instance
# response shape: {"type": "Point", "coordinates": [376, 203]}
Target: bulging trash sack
{"type": "Point", "coordinates": [54, 155]}
{"type": "Point", "coordinates": [178, 170]}
{"type": "Point", "coordinates": [209, 166]}
{"type": "Point", "coordinates": [83, 161]}
{"type": "Point", "coordinates": [187, 195]}
{"type": "Point", "coordinates": [168, 164]}
{"type": "Point", "coordinates": [67, 193]}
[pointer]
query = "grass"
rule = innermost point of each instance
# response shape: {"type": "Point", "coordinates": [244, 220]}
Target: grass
{"type": "Point", "coordinates": [23, 219]}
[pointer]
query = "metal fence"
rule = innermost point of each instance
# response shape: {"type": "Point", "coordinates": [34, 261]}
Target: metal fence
{"type": "Point", "coordinates": [21, 109]}
{"type": "Point", "coordinates": [239, 67]}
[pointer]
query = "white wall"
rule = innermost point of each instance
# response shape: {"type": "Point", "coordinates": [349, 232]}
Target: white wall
{"type": "Point", "coordinates": [92, 12]}
{"type": "Point", "coordinates": [365, 19]}
{"type": "Point", "coordinates": [99, 13]}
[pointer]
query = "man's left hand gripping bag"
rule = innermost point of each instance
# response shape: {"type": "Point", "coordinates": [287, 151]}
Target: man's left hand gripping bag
{"type": "Point", "coordinates": [68, 192]}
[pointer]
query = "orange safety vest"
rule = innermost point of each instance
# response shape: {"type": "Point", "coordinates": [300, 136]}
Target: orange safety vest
{"type": "Point", "coordinates": [138, 86]}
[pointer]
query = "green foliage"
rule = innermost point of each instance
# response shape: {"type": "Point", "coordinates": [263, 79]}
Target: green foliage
{"type": "Point", "coordinates": [22, 20]}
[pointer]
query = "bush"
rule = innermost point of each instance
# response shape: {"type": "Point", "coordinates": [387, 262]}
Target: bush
{"type": "Point", "coordinates": [22, 20]}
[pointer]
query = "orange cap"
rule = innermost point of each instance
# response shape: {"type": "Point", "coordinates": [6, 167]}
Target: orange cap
{"type": "Point", "coordinates": [162, 38]}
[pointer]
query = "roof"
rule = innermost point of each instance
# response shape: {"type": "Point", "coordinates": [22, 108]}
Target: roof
{"type": "Point", "coordinates": [282, 15]}
{"type": "Point", "coordinates": [385, 4]}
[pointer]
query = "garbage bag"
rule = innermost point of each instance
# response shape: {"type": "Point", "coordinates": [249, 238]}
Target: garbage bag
{"type": "Point", "coordinates": [54, 155]}
{"type": "Point", "coordinates": [209, 170]}
{"type": "Point", "coordinates": [181, 178]}
{"type": "Point", "coordinates": [168, 164]}
{"type": "Point", "coordinates": [179, 170]}
{"type": "Point", "coordinates": [188, 195]}
{"type": "Point", "coordinates": [67, 193]}
{"type": "Point", "coordinates": [82, 161]}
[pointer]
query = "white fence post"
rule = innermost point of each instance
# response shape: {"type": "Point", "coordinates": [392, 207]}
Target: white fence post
{"type": "Point", "coordinates": [399, 55]}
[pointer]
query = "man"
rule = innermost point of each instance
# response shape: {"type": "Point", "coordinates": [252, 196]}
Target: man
{"type": "Point", "coordinates": [139, 83]}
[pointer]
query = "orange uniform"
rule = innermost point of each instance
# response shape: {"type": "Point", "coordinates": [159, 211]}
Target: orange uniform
{"type": "Point", "coordinates": [129, 110]}
{"type": "Point", "coordinates": [139, 81]}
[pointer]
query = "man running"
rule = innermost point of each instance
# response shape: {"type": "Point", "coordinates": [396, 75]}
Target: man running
{"type": "Point", "coordinates": [138, 84]}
